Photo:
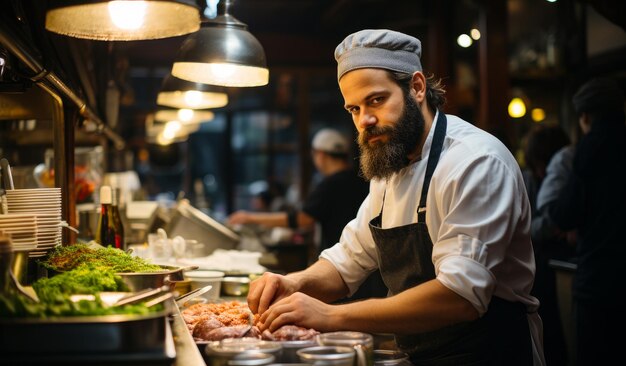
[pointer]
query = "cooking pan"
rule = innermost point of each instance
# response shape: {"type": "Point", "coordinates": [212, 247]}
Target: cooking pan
{"type": "Point", "coordinates": [84, 334]}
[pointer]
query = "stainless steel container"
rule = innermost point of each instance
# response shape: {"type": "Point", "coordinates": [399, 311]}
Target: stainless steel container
{"type": "Point", "coordinates": [221, 353]}
{"type": "Point", "coordinates": [291, 347]}
{"type": "Point", "coordinates": [327, 355]}
{"type": "Point", "coordinates": [137, 281]}
{"type": "Point", "coordinates": [83, 334]}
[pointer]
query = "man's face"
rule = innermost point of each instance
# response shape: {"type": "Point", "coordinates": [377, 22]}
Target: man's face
{"type": "Point", "coordinates": [390, 124]}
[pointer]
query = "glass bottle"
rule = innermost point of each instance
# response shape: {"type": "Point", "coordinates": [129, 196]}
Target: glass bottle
{"type": "Point", "coordinates": [108, 233]}
{"type": "Point", "coordinates": [117, 217]}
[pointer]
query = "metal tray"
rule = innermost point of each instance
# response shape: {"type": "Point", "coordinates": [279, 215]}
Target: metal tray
{"type": "Point", "coordinates": [84, 334]}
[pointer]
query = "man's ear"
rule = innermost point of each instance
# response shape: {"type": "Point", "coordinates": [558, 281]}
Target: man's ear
{"type": "Point", "coordinates": [418, 85]}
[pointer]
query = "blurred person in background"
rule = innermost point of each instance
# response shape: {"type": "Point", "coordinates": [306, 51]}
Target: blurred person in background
{"type": "Point", "coordinates": [541, 145]}
{"type": "Point", "coordinates": [593, 202]}
{"type": "Point", "coordinates": [332, 203]}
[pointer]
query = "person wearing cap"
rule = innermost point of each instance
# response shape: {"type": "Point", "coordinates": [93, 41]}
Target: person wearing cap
{"type": "Point", "coordinates": [334, 201]}
{"type": "Point", "coordinates": [446, 221]}
{"type": "Point", "coordinates": [593, 202]}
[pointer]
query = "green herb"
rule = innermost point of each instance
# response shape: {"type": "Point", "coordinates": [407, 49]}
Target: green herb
{"type": "Point", "coordinates": [55, 296]}
{"type": "Point", "coordinates": [65, 258]}
{"type": "Point", "coordinates": [85, 279]}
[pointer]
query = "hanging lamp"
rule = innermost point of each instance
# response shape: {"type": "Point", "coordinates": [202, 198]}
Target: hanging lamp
{"type": "Point", "coordinates": [184, 116]}
{"type": "Point", "coordinates": [126, 20]}
{"type": "Point", "coordinates": [178, 93]}
{"type": "Point", "coordinates": [222, 52]}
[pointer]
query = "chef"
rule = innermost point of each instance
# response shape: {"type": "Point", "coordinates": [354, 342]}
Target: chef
{"type": "Point", "coordinates": [446, 221]}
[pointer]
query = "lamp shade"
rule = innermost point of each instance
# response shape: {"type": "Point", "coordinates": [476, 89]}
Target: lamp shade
{"type": "Point", "coordinates": [184, 116]}
{"type": "Point", "coordinates": [222, 52]}
{"type": "Point", "coordinates": [126, 20]}
{"type": "Point", "coordinates": [178, 93]}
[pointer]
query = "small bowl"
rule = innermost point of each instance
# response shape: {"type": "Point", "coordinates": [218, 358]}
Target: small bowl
{"type": "Point", "coordinates": [203, 278]}
{"type": "Point", "coordinates": [235, 286]}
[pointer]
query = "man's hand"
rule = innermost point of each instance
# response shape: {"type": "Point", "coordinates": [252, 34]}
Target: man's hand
{"type": "Point", "coordinates": [268, 289]}
{"type": "Point", "coordinates": [301, 310]}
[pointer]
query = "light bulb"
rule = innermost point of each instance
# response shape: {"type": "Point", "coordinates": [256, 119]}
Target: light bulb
{"type": "Point", "coordinates": [185, 114]}
{"type": "Point", "coordinates": [517, 108]}
{"type": "Point", "coordinates": [127, 14]}
{"type": "Point", "coordinates": [222, 71]}
{"type": "Point", "coordinates": [193, 97]}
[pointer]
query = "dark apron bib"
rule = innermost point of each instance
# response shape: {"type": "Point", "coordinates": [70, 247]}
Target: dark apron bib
{"type": "Point", "coordinates": [500, 337]}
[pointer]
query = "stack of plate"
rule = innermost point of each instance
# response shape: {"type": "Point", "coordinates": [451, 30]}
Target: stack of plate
{"type": "Point", "coordinates": [45, 205]}
{"type": "Point", "coordinates": [22, 229]}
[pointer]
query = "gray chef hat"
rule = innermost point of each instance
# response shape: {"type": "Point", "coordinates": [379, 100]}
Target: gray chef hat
{"type": "Point", "coordinates": [378, 48]}
{"type": "Point", "coordinates": [597, 94]}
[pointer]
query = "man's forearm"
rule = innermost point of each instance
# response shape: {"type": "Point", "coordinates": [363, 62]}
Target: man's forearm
{"type": "Point", "coordinates": [321, 280]}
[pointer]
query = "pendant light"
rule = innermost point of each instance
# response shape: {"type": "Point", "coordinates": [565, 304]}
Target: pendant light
{"type": "Point", "coordinates": [125, 20]}
{"type": "Point", "coordinates": [178, 93]}
{"type": "Point", "coordinates": [222, 52]}
{"type": "Point", "coordinates": [184, 116]}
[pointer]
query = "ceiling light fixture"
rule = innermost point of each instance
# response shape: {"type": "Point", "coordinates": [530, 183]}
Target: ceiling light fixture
{"type": "Point", "coordinates": [222, 52]}
{"type": "Point", "coordinates": [178, 93]}
{"type": "Point", "coordinates": [185, 116]}
{"type": "Point", "coordinates": [126, 20]}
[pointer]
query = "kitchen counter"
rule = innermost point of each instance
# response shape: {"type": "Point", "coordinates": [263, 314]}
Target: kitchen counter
{"type": "Point", "coordinates": [187, 353]}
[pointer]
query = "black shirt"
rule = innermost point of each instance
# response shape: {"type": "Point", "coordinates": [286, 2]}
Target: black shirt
{"type": "Point", "coordinates": [594, 202]}
{"type": "Point", "coordinates": [334, 202]}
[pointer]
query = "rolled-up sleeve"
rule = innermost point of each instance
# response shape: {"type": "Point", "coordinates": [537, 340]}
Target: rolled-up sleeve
{"type": "Point", "coordinates": [476, 230]}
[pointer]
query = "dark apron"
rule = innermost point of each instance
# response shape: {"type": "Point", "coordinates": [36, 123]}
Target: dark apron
{"type": "Point", "coordinates": [500, 337]}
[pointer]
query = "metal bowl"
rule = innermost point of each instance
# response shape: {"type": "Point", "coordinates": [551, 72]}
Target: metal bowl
{"type": "Point", "coordinates": [137, 281]}
{"type": "Point", "coordinates": [235, 286]}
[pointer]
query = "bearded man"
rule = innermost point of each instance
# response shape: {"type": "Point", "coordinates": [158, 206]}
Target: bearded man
{"type": "Point", "coordinates": [446, 221]}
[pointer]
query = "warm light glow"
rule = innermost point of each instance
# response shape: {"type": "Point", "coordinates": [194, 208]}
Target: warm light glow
{"type": "Point", "coordinates": [122, 20]}
{"type": "Point", "coordinates": [464, 40]}
{"type": "Point", "coordinates": [127, 14]}
{"type": "Point", "coordinates": [192, 99]}
{"type": "Point", "coordinates": [538, 114]}
{"type": "Point", "coordinates": [221, 74]}
{"type": "Point", "coordinates": [475, 34]}
{"type": "Point", "coordinates": [185, 114]}
{"type": "Point", "coordinates": [223, 71]}
{"type": "Point", "coordinates": [517, 108]}
{"type": "Point", "coordinates": [162, 140]}
{"type": "Point", "coordinates": [171, 128]}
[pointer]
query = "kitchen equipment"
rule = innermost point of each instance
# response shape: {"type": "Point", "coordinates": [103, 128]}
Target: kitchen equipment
{"type": "Point", "coordinates": [182, 300]}
{"type": "Point", "coordinates": [290, 349]}
{"type": "Point", "coordinates": [141, 296]}
{"type": "Point", "coordinates": [83, 336]}
{"type": "Point", "coordinates": [362, 343]}
{"type": "Point", "coordinates": [193, 224]}
{"type": "Point", "coordinates": [383, 357]}
{"type": "Point", "coordinates": [327, 355]}
{"type": "Point", "coordinates": [221, 353]}
{"type": "Point", "coordinates": [235, 286]}
{"type": "Point", "coordinates": [205, 278]}
{"type": "Point", "coordinates": [137, 281]}
{"type": "Point", "coordinates": [7, 177]}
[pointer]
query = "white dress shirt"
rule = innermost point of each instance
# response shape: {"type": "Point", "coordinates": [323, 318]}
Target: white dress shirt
{"type": "Point", "coordinates": [478, 218]}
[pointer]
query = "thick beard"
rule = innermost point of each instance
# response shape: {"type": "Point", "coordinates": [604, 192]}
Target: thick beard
{"type": "Point", "coordinates": [380, 160]}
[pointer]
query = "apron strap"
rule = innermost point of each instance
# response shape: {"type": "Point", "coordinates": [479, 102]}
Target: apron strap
{"type": "Point", "coordinates": [433, 158]}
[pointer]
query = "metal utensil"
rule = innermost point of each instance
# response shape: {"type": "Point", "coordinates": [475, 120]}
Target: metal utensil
{"type": "Point", "coordinates": [21, 288]}
{"type": "Point", "coordinates": [7, 177]}
{"type": "Point", "coordinates": [182, 300]}
{"type": "Point", "coordinates": [142, 296]}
